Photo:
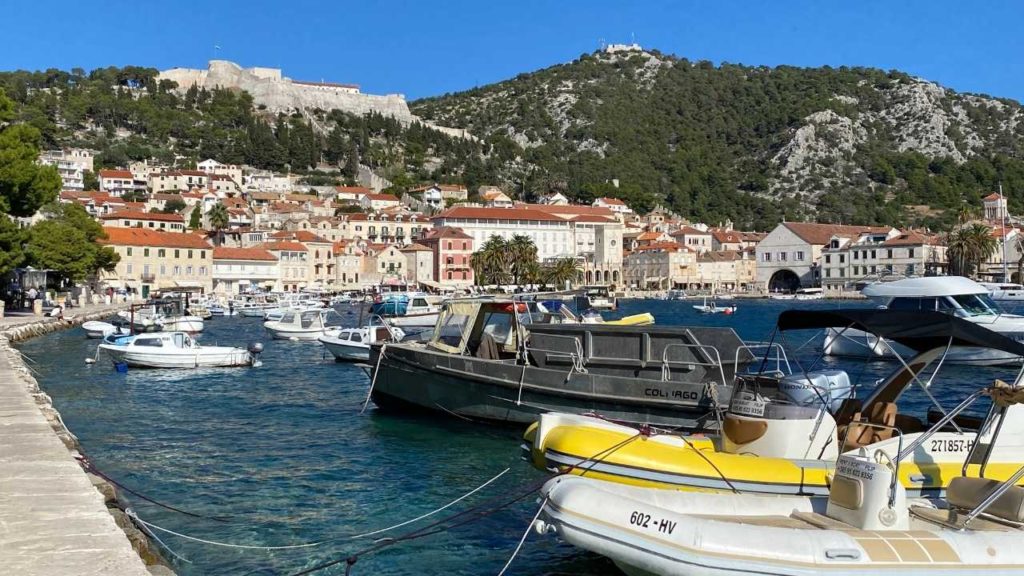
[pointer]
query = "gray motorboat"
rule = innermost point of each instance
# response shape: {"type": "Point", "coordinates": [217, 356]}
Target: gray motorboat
{"type": "Point", "coordinates": [487, 359]}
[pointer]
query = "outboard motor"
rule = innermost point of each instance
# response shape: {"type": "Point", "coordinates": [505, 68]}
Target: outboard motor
{"type": "Point", "coordinates": [830, 387]}
{"type": "Point", "coordinates": [255, 348]}
{"type": "Point", "coordinates": [861, 490]}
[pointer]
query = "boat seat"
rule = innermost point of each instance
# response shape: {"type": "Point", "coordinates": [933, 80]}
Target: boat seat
{"type": "Point", "coordinates": [952, 518]}
{"type": "Point", "coordinates": [968, 493]}
{"type": "Point", "coordinates": [860, 432]}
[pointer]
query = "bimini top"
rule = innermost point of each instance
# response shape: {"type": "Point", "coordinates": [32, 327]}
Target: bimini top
{"type": "Point", "coordinates": [917, 329]}
{"type": "Point", "coordinates": [931, 286]}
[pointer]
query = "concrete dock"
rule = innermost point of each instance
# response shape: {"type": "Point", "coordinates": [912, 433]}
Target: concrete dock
{"type": "Point", "coordinates": [53, 519]}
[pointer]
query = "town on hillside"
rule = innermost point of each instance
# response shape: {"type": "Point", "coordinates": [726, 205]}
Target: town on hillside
{"type": "Point", "coordinates": [227, 229]}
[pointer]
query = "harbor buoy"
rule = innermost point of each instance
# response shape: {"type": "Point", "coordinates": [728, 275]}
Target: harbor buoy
{"type": "Point", "coordinates": [90, 360]}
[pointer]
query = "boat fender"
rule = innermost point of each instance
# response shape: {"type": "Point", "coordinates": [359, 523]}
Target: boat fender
{"type": "Point", "coordinates": [543, 528]}
{"type": "Point", "coordinates": [90, 360]}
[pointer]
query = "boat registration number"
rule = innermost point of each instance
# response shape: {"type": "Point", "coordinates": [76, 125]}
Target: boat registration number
{"type": "Point", "coordinates": [643, 520]}
{"type": "Point", "coordinates": [747, 407]}
{"type": "Point", "coordinates": [951, 445]}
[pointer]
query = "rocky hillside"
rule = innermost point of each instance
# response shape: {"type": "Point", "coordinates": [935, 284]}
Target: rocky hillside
{"type": "Point", "coordinates": [751, 143]}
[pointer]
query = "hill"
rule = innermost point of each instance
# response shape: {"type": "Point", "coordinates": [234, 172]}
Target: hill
{"type": "Point", "coordinates": [751, 143]}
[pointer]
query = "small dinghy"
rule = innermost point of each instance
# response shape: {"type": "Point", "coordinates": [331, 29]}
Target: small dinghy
{"type": "Point", "coordinates": [176, 350]}
{"type": "Point", "coordinates": [97, 329]}
{"type": "Point", "coordinates": [353, 344]}
{"type": "Point", "coordinates": [714, 308]}
{"type": "Point", "coordinates": [867, 524]}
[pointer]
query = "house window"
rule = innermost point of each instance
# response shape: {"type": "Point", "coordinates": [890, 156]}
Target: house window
{"type": "Point", "coordinates": [202, 270]}
{"type": "Point", "coordinates": [449, 260]}
{"type": "Point", "coordinates": [145, 270]}
{"type": "Point", "coordinates": [465, 245]}
{"type": "Point", "coordinates": [129, 268]}
{"type": "Point", "coordinates": [449, 245]}
{"type": "Point", "coordinates": [177, 253]}
{"type": "Point", "coordinates": [842, 258]}
{"type": "Point", "coordinates": [163, 270]}
{"type": "Point", "coordinates": [177, 270]}
{"type": "Point", "coordinates": [145, 252]}
{"type": "Point", "coordinates": [874, 254]}
{"type": "Point", "coordinates": [910, 252]}
{"type": "Point", "coordinates": [190, 254]}
{"type": "Point", "coordinates": [828, 259]}
{"type": "Point", "coordinates": [766, 257]}
{"type": "Point", "coordinates": [842, 273]}
{"type": "Point", "coordinates": [161, 253]}
{"type": "Point", "coordinates": [188, 271]}
{"type": "Point", "coordinates": [782, 256]}
{"type": "Point", "coordinates": [128, 251]}
{"type": "Point", "coordinates": [449, 274]}
{"type": "Point", "coordinates": [799, 256]}
{"type": "Point", "coordinates": [828, 272]}
{"type": "Point", "coordinates": [888, 253]}
{"type": "Point", "coordinates": [202, 253]}
{"type": "Point", "coordinates": [855, 255]}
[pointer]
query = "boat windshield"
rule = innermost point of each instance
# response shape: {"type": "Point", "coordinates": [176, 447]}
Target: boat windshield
{"type": "Point", "coordinates": [976, 304]}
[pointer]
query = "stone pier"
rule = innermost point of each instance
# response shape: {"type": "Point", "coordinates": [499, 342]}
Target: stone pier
{"type": "Point", "coordinates": [53, 517]}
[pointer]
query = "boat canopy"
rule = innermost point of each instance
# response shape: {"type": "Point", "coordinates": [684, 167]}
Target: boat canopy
{"type": "Point", "coordinates": [929, 286]}
{"type": "Point", "coordinates": [920, 330]}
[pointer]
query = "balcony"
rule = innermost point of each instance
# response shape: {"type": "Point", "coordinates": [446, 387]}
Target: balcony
{"type": "Point", "coordinates": [150, 277]}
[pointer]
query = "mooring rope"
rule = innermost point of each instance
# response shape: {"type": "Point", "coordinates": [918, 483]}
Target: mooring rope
{"type": "Point", "coordinates": [525, 534]}
{"type": "Point", "coordinates": [373, 381]}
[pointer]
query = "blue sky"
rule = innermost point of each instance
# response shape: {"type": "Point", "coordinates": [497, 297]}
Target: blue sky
{"type": "Point", "coordinates": [422, 48]}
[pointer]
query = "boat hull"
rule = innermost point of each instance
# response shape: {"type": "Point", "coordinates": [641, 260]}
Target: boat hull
{"type": "Point", "coordinates": [346, 351]}
{"type": "Point", "coordinates": [206, 358]}
{"type": "Point", "coordinates": [854, 343]}
{"type": "Point", "coordinates": [414, 377]}
{"type": "Point", "coordinates": [426, 320]}
{"type": "Point", "coordinates": [184, 324]}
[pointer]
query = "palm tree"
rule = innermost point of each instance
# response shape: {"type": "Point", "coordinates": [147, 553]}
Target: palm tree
{"type": "Point", "coordinates": [561, 271]}
{"type": "Point", "coordinates": [218, 218]}
{"type": "Point", "coordinates": [968, 247]}
{"type": "Point", "coordinates": [522, 255]}
{"type": "Point", "coordinates": [490, 263]}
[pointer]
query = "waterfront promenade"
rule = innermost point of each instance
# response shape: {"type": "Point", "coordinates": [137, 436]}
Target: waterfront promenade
{"type": "Point", "coordinates": [52, 519]}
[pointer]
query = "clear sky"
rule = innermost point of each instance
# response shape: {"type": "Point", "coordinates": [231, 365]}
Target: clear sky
{"type": "Point", "coordinates": [423, 48]}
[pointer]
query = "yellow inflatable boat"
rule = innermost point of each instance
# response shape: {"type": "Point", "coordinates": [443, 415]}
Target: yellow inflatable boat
{"type": "Point", "coordinates": [770, 444]}
{"type": "Point", "coordinates": [644, 319]}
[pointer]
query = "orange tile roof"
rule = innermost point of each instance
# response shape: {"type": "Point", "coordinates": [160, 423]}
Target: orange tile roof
{"type": "Point", "coordinates": [569, 210]}
{"type": "Point", "coordinates": [664, 246]}
{"type": "Point", "coordinates": [383, 197]}
{"type": "Point", "coordinates": [446, 232]}
{"type": "Point", "coordinates": [414, 247]}
{"type": "Point", "coordinates": [612, 201]}
{"type": "Point", "coordinates": [136, 215]}
{"type": "Point", "coordinates": [283, 245]}
{"type": "Point", "coordinates": [146, 237]}
{"type": "Point", "coordinates": [726, 236]}
{"type": "Point", "coordinates": [466, 212]}
{"type": "Point", "coordinates": [991, 197]}
{"type": "Point", "coordinates": [122, 174]}
{"type": "Point", "coordinates": [648, 236]}
{"type": "Point", "coordinates": [224, 253]}
{"type": "Point", "coordinates": [814, 233]}
{"type": "Point", "coordinates": [589, 218]}
{"type": "Point", "coordinates": [690, 231]}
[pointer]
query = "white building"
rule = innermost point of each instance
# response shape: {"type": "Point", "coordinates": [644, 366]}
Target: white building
{"type": "Point", "coordinates": [71, 164]}
{"type": "Point", "coordinates": [117, 183]}
{"type": "Point", "coordinates": [846, 261]}
{"type": "Point", "coordinates": [613, 204]}
{"type": "Point", "coordinates": [789, 257]}
{"type": "Point", "coordinates": [236, 270]}
{"type": "Point", "coordinates": [376, 202]}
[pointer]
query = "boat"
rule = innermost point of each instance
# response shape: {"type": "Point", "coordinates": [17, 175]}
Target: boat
{"type": "Point", "coordinates": [953, 295]}
{"type": "Point", "coordinates": [292, 301]}
{"type": "Point", "coordinates": [779, 295]}
{"type": "Point", "coordinates": [782, 434]}
{"type": "Point", "coordinates": [302, 324]}
{"type": "Point", "coordinates": [415, 312]}
{"type": "Point", "coordinates": [867, 523]}
{"type": "Point", "coordinates": [97, 329]}
{"type": "Point", "coordinates": [1005, 291]}
{"type": "Point", "coordinates": [713, 308]}
{"type": "Point", "coordinates": [218, 309]}
{"type": "Point", "coordinates": [596, 298]}
{"type": "Point", "coordinates": [556, 311]}
{"type": "Point", "coordinates": [353, 344]}
{"type": "Point", "coordinates": [809, 294]}
{"type": "Point", "coordinates": [390, 304]}
{"type": "Point", "coordinates": [175, 350]}
{"type": "Point", "coordinates": [486, 359]}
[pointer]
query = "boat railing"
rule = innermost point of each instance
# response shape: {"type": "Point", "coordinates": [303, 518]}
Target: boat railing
{"type": "Point", "coordinates": [577, 358]}
{"type": "Point", "coordinates": [711, 352]}
{"type": "Point", "coordinates": [768, 347]}
{"type": "Point", "coordinates": [941, 423]}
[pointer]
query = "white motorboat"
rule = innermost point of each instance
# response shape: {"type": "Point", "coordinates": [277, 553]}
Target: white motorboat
{"type": "Point", "coordinates": [954, 295]}
{"type": "Point", "coordinates": [809, 294]}
{"type": "Point", "coordinates": [353, 344]}
{"type": "Point", "coordinates": [713, 308]}
{"type": "Point", "coordinates": [1005, 291]}
{"type": "Point", "coordinates": [97, 329]}
{"type": "Point", "coordinates": [867, 524]}
{"type": "Point", "coordinates": [596, 297]}
{"type": "Point", "coordinates": [302, 324]}
{"type": "Point", "coordinates": [175, 350]}
{"type": "Point", "coordinates": [183, 324]}
{"type": "Point", "coordinates": [419, 313]}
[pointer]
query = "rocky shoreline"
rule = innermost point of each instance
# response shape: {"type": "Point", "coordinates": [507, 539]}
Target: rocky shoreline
{"type": "Point", "coordinates": [140, 542]}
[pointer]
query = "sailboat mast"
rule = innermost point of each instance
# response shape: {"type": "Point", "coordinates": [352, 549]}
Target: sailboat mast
{"type": "Point", "coordinates": [1002, 209]}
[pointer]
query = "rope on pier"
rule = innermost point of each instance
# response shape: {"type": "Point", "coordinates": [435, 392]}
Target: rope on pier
{"type": "Point", "coordinates": [525, 534]}
{"type": "Point", "coordinates": [376, 371]}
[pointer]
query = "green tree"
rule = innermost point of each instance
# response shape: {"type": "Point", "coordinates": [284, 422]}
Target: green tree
{"type": "Point", "coordinates": [24, 185]}
{"type": "Point", "coordinates": [968, 247]}
{"type": "Point", "coordinates": [195, 220]}
{"type": "Point", "coordinates": [561, 271]}
{"type": "Point", "coordinates": [12, 238]}
{"type": "Point", "coordinates": [174, 206]}
{"type": "Point", "coordinates": [218, 218]}
{"type": "Point", "coordinates": [522, 257]}
{"type": "Point", "coordinates": [489, 263]}
{"type": "Point", "coordinates": [67, 243]}
{"type": "Point", "coordinates": [90, 181]}
{"type": "Point", "coordinates": [351, 168]}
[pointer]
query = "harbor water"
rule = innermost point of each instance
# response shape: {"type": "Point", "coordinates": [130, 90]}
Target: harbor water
{"type": "Point", "coordinates": [281, 455]}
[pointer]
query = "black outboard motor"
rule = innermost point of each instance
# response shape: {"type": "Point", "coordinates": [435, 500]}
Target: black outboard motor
{"type": "Point", "coordinates": [255, 348]}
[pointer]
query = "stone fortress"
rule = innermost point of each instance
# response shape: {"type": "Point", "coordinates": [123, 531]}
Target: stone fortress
{"type": "Point", "coordinates": [278, 93]}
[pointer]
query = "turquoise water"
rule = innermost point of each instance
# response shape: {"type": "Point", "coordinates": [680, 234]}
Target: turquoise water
{"type": "Point", "coordinates": [283, 452]}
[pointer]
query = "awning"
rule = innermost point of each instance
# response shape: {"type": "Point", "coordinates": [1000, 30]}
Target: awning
{"type": "Point", "coordinates": [916, 329]}
{"type": "Point", "coordinates": [432, 284]}
{"type": "Point", "coordinates": [187, 284]}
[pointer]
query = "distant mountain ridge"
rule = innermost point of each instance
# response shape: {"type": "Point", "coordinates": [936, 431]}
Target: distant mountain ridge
{"type": "Point", "coordinates": [694, 134]}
